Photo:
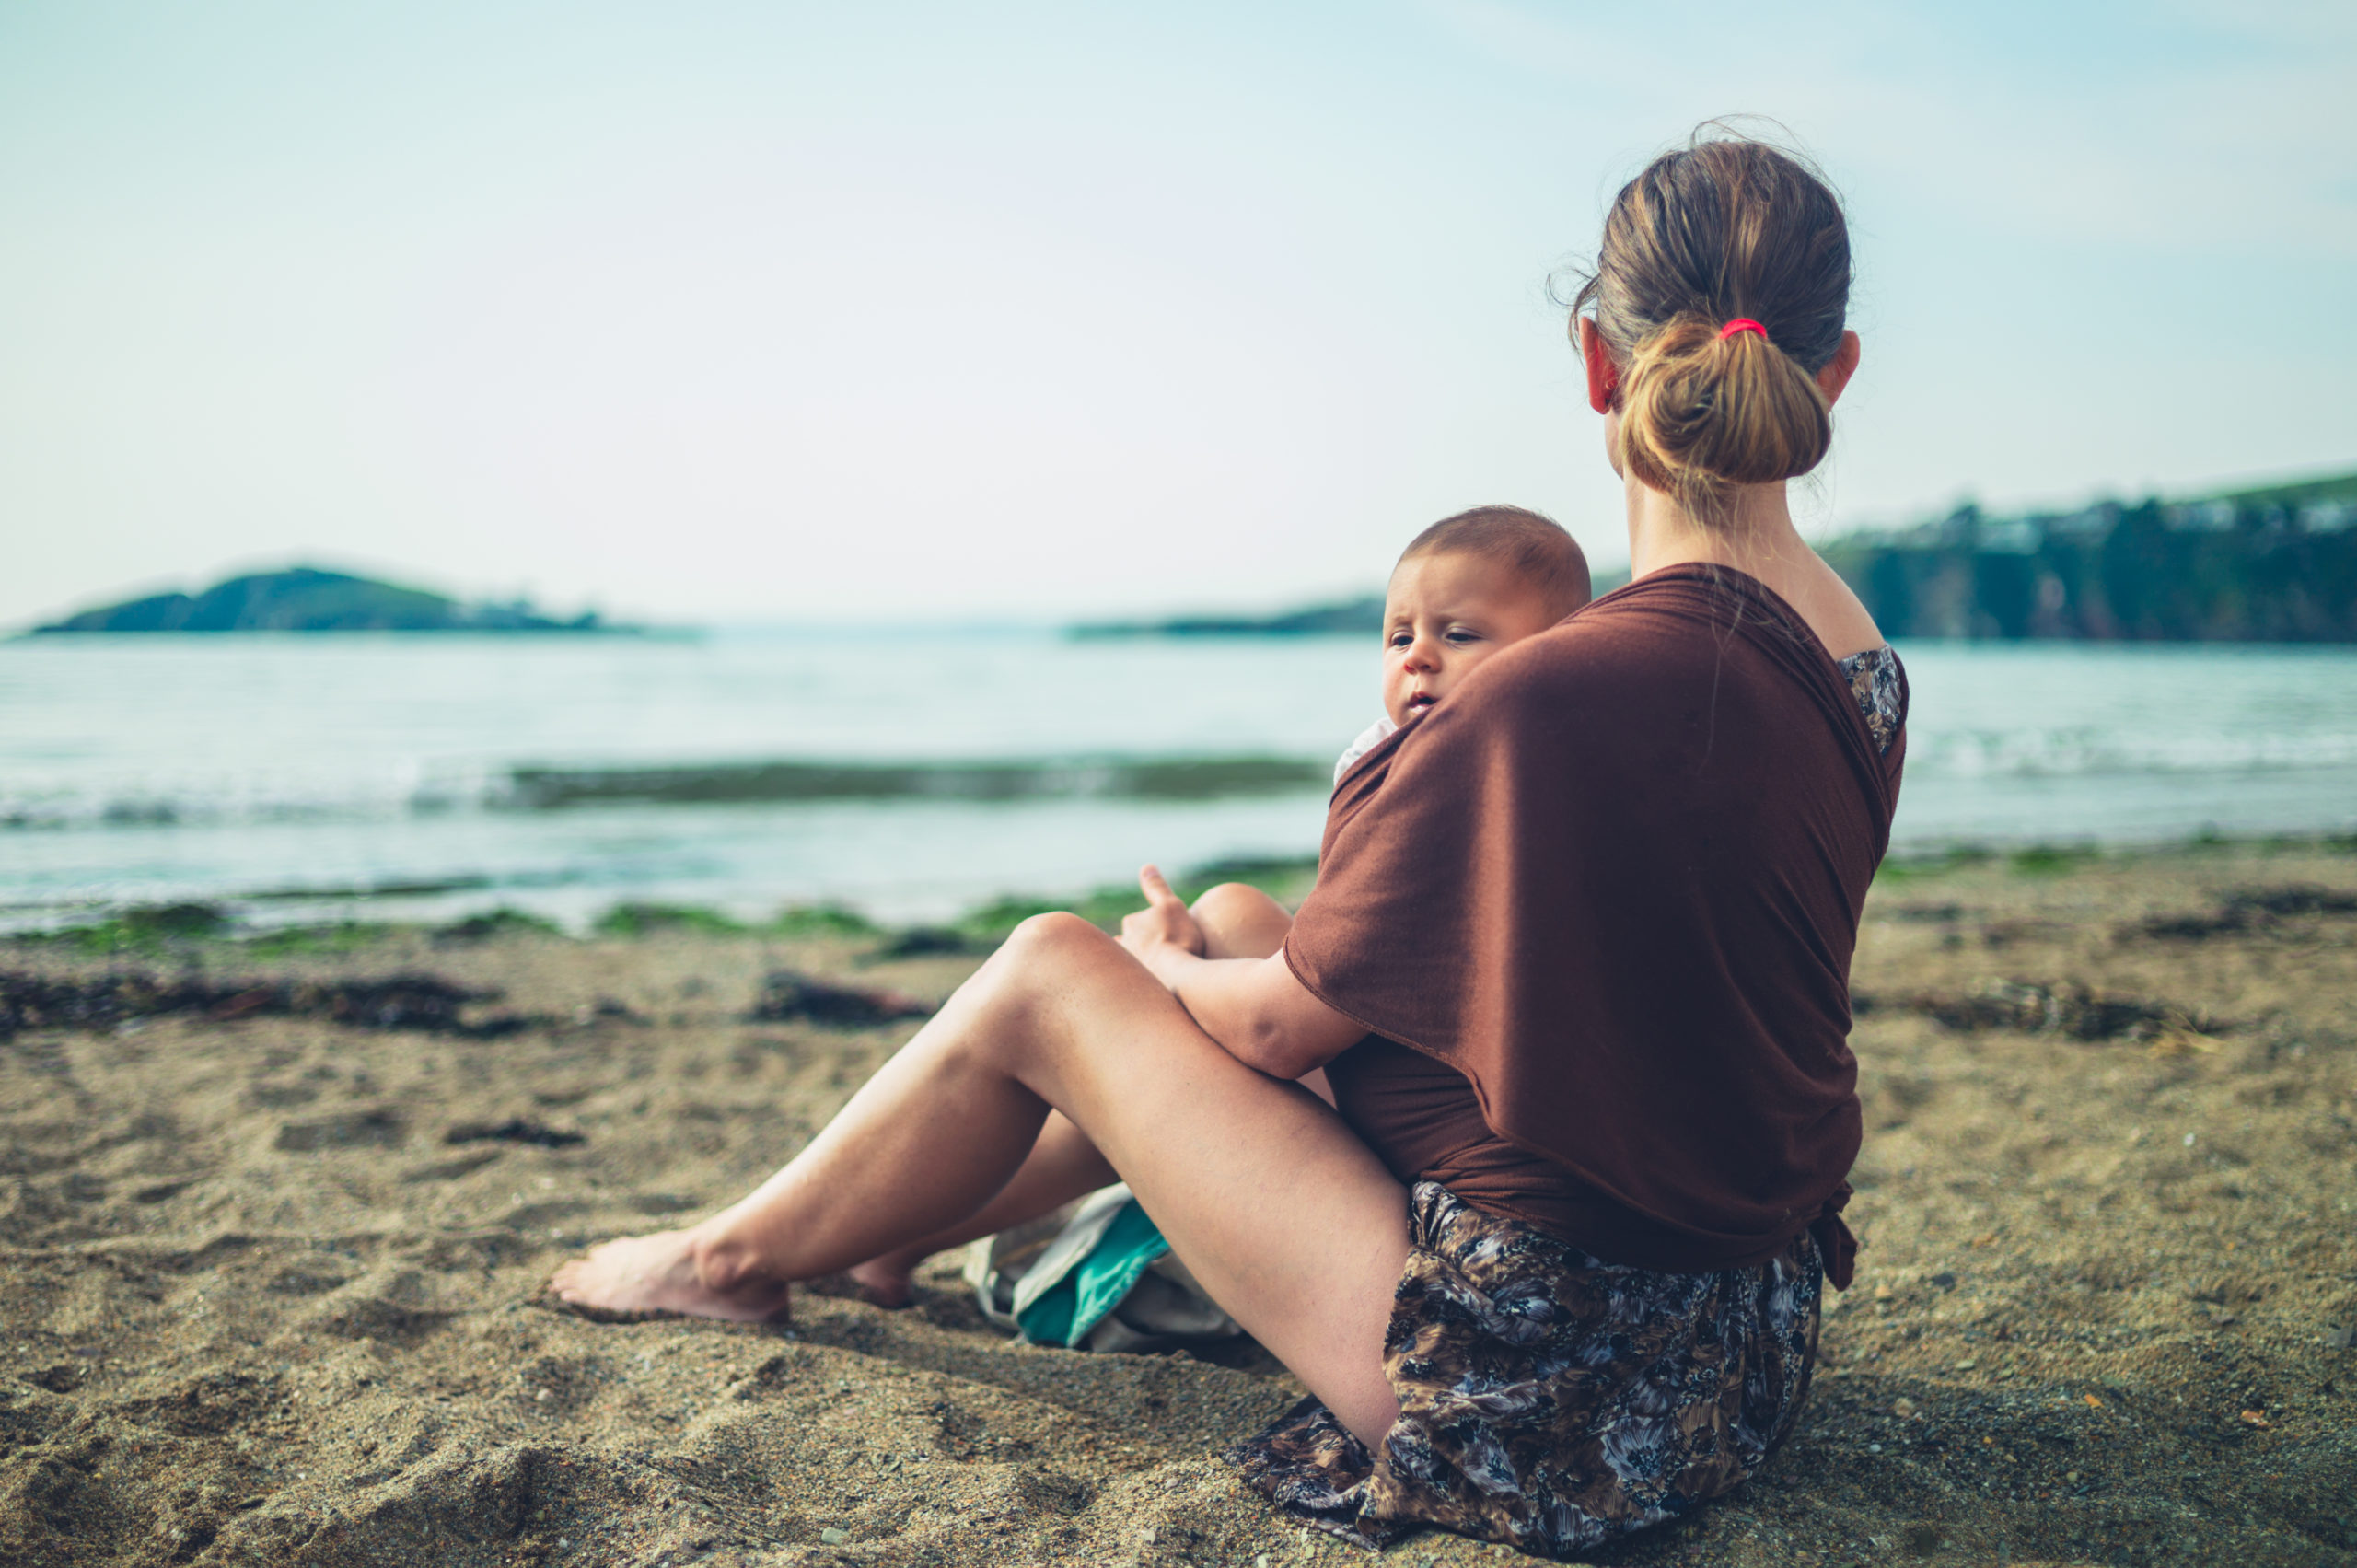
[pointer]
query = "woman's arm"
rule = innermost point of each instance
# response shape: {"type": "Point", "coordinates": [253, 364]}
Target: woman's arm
{"type": "Point", "coordinates": [1253, 1007]}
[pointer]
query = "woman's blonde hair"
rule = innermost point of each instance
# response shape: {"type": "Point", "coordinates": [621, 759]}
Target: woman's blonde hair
{"type": "Point", "coordinates": [1727, 229]}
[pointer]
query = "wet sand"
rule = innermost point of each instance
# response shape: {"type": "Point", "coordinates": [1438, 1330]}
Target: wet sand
{"type": "Point", "coordinates": [271, 1268]}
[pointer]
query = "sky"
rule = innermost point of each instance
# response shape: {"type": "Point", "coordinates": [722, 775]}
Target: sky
{"type": "Point", "coordinates": [883, 314]}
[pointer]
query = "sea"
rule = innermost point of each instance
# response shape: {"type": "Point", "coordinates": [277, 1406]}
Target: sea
{"type": "Point", "coordinates": [913, 775]}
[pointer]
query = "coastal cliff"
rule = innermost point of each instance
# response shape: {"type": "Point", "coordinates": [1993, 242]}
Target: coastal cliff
{"type": "Point", "coordinates": [2271, 565]}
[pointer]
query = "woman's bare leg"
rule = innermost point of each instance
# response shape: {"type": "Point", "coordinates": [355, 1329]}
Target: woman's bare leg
{"type": "Point", "coordinates": [1238, 921]}
{"type": "Point", "coordinates": [1062, 1165]}
{"type": "Point", "coordinates": [1287, 1219]}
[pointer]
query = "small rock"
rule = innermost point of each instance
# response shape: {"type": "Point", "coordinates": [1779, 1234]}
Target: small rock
{"type": "Point", "coordinates": [541, 1398]}
{"type": "Point", "coordinates": [833, 1537]}
{"type": "Point", "coordinates": [926, 941]}
{"type": "Point", "coordinates": [787, 994]}
{"type": "Point", "coordinates": [1902, 1407]}
{"type": "Point", "coordinates": [2339, 1339]}
{"type": "Point", "coordinates": [1968, 1364]}
{"type": "Point", "coordinates": [515, 1129]}
{"type": "Point", "coordinates": [1923, 1538]}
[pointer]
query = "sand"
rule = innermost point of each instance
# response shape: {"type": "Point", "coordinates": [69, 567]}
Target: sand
{"type": "Point", "coordinates": [259, 1309]}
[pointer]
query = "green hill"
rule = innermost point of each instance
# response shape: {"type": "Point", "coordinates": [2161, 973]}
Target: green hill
{"type": "Point", "coordinates": [306, 599]}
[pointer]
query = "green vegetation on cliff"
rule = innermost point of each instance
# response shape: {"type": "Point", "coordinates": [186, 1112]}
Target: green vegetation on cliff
{"type": "Point", "coordinates": [306, 599]}
{"type": "Point", "coordinates": [2271, 565]}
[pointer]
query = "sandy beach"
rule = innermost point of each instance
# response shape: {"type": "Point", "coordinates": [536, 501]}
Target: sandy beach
{"type": "Point", "coordinates": [273, 1233]}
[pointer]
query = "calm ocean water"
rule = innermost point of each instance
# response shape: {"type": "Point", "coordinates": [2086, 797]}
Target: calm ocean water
{"type": "Point", "coordinates": [307, 777]}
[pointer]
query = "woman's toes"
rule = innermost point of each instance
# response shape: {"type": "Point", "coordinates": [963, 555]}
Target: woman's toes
{"type": "Point", "coordinates": [659, 1274]}
{"type": "Point", "coordinates": [623, 1275]}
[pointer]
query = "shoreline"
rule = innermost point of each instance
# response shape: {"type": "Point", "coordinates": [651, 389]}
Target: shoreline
{"type": "Point", "coordinates": [269, 1261]}
{"type": "Point", "coordinates": [153, 929]}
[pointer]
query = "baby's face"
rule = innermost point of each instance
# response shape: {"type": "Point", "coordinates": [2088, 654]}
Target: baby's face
{"type": "Point", "coordinates": [1445, 614]}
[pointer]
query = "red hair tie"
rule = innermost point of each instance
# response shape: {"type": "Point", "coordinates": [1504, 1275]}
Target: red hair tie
{"type": "Point", "coordinates": [1742, 324]}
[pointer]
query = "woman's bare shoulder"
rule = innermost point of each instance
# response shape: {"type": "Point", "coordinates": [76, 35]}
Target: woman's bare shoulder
{"type": "Point", "coordinates": [1829, 607]}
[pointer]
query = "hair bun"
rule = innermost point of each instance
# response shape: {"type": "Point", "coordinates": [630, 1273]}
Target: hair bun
{"type": "Point", "coordinates": [1704, 411]}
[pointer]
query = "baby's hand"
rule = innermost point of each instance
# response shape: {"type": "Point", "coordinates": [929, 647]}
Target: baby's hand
{"type": "Point", "coordinates": [1165, 921]}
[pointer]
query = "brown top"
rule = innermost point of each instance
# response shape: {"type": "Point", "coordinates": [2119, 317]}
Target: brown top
{"type": "Point", "coordinates": [1611, 889]}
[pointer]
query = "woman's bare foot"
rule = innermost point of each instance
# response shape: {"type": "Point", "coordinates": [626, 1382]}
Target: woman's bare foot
{"type": "Point", "coordinates": [882, 1282]}
{"type": "Point", "coordinates": [659, 1274]}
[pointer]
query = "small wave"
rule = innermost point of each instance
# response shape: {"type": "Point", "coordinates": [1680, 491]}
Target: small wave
{"type": "Point", "coordinates": [2091, 752]}
{"type": "Point", "coordinates": [1157, 779]}
{"type": "Point", "coordinates": [205, 802]}
{"type": "Point", "coordinates": [64, 809]}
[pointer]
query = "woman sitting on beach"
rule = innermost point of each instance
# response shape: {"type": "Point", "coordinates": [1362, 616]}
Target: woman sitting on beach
{"type": "Point", "coordinates": [1576, 966]}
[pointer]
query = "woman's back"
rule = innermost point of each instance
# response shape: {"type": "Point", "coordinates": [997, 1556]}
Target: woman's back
{"type": "Point", "coordinates": [1615, 883]}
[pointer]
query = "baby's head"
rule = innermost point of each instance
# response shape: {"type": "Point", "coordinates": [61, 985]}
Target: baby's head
{"type": "Point", "coordinates": [1464, 588]}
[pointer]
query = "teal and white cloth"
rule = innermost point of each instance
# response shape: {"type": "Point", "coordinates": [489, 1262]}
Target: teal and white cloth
{"type": "Point", "coordinates": [1094, 1276]}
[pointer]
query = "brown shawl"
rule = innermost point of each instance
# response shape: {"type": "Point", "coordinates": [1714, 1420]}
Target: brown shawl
{"type": "Point", "coordinates": [1615, 880]}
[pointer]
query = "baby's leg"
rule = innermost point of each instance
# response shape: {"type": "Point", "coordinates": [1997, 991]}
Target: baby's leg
{"type": "Point", "coordinates": [1238, 921]}
{"type": "Point", "coordinates": [1063, 1164]}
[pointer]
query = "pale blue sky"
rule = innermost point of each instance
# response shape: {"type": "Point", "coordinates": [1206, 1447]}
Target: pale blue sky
{"type": "Point", "coordinates": [759, 311]}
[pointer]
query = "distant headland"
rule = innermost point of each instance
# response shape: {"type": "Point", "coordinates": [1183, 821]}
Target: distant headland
{"type": "Point", "coordinates": [2271, 564]}
{"type": "Point", "coordinates": [1363, 614]}
{"type": "Point", "coordinates": [306, 599]}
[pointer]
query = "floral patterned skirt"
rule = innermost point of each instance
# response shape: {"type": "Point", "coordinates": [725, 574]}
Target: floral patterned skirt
{"type": "Point", "coordinates": [1549, 1401]}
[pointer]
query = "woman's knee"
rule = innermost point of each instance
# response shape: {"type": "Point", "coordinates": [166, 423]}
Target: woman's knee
{"type": "Point", "coordinates": [1044, 954]}
{"type": "Point", "coordinates": [1027, 993]}
{"type": "Point", "coordinates": [1059, 937]}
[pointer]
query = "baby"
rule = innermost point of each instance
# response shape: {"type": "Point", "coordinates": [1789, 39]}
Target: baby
{"type": "Point", "coordinates": [1464, 588]}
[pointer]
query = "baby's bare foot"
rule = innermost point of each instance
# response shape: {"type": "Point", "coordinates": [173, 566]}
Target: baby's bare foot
{"type": "Point", "coordinates": [659, 1273]}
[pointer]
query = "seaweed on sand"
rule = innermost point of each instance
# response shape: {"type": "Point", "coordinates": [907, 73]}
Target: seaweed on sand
{"type": "Point", "coordinates": [411, 1001]}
